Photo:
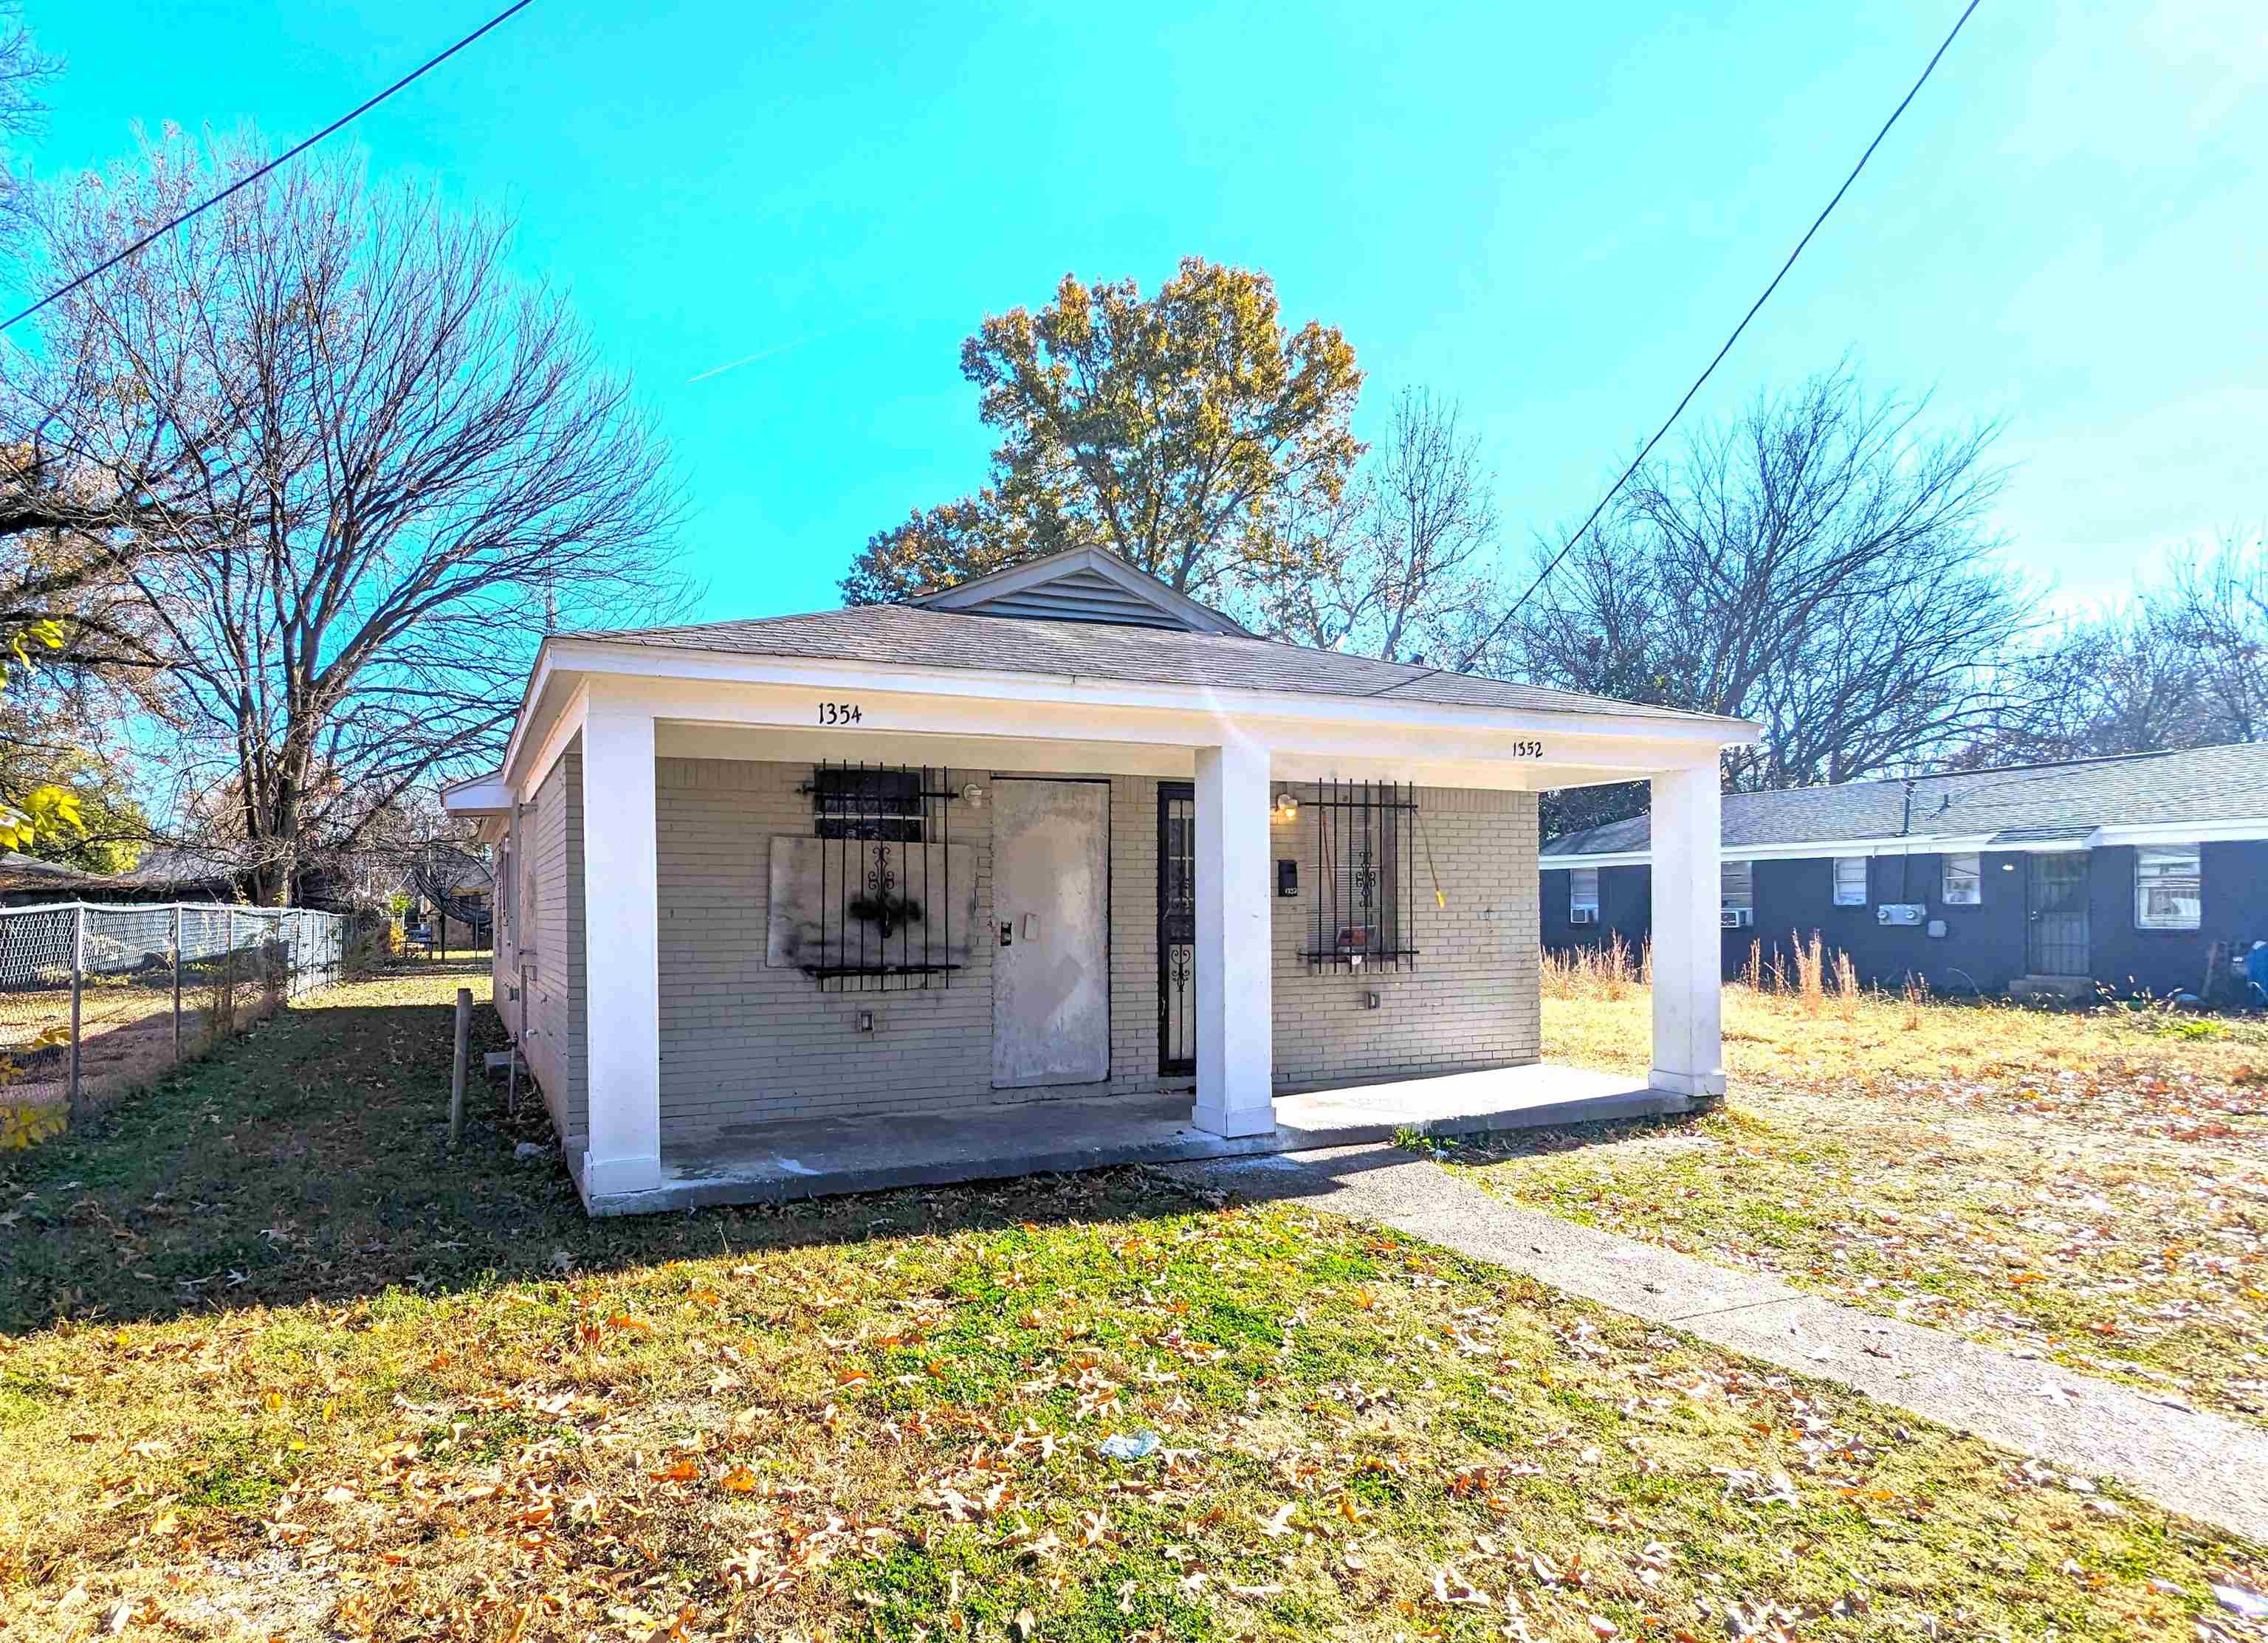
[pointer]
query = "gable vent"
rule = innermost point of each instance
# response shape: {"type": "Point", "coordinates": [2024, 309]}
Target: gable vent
{"type": "Point", "coordinates": [1081, 596]}
{"type": "Point", "coordinates": [1082, 584]}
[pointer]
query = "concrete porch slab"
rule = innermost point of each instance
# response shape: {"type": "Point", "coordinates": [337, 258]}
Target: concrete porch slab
{"type": "Point", "coordinates": [817, 1157]}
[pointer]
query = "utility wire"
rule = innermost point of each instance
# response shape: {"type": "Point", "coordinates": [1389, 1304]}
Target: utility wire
{"type": "Point", "coordinates": [353, 115]}
{"type": "Point", "coordinates": [1639, 460]}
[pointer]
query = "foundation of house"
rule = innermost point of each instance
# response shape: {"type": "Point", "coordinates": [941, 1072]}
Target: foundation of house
{"type": "Point", "coordinates": [2052, 989]}
{"type": "Point", "coordinates": [816, 1157]}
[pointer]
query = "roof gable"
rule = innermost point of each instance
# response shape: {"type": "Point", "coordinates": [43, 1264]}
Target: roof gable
{"type": "Point", "coordinates": [1086, 584]}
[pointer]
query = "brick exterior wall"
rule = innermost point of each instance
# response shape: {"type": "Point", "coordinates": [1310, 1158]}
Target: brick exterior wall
{"type": "Point", "coordinates": [552, 949]}
{"type": "Point", "coordinates": [743, 1045]}
{"type": "Point", "coordinates": [1473, 999]}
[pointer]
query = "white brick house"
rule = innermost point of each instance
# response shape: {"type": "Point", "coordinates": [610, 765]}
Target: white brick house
{"type": "Point", "coordinates": [1056, 833]}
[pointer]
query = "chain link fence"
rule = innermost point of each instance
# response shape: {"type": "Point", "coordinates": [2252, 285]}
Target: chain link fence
{"type": "Point", "coordinates": [96, 1000]}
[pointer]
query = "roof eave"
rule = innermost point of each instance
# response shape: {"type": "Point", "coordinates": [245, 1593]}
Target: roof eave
{"type": "Point", "coordinates": [577, 653]}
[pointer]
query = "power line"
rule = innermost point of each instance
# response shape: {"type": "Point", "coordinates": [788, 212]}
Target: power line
{"type": "Point", "coordinates": [348, 118]}
{"type": "Point", "coordinates": [1945, 45]}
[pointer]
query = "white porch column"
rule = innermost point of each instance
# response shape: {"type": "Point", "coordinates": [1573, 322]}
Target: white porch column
{"type": "Point", "coordinates": [1235, 1023]}
{"type": "Point", "coordinates": [1689, 1054]}
{"type": "Point", "coordinates": [621, 916]}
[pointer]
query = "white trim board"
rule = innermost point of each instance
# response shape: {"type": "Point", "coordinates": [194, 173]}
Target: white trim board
{"type": "Point", "coordinates": [1205, 707]}
{"type": "Point", "coordinates": [2238, 830]}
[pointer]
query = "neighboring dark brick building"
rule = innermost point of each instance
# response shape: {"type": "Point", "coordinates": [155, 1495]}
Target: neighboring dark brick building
{"type": "Point", "coordinates": [2124, 872]}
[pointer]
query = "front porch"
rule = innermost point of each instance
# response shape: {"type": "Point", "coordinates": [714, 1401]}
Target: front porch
{"type": "Point", "coordinates": [774, 1162]}
{"type": "Point", "coordinates": [1149, 917]}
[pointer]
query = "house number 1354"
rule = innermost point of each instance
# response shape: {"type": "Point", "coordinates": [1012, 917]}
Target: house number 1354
{"type": "Point", "coordinates": [838, 713]}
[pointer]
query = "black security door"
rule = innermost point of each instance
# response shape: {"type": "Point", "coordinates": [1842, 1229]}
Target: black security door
{"type": "Point", "coordinates": [2055, 909]}
{"type": "Point", "coordinates": [1177, 927]}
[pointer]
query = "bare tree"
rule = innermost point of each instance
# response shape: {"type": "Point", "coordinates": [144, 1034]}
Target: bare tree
{"type": "Point", "coordinates": [414, 457]}
{"type": "Point", "coordinates": [2184, 664]}
{"type": "Point", "coordinates": [2217, 605]}
{"type": "Point", "coordinates": [1404, 550]}
{"type": "Point", "coordinates": [25, 71]}
{"type": "Point", "coordinates": [2123, 682]}
{"type": "Point", "coordinates": [1823, 564]}
{"type": "Point", "coordinates": [82, 493]}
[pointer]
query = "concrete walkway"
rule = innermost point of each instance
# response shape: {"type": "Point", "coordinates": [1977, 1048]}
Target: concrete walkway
{"type": "Point", "coordinates": [2201, 1465]}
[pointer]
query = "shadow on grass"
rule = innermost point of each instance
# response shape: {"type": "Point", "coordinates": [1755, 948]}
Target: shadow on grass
{"type": "Point", "coordinates": [309, 1161]}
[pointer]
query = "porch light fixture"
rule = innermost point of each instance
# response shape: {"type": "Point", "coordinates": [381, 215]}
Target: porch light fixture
{"type": "Point", "coordinates": [972, 796]}
{"type": "Point", "coordinates": [1287, 807]}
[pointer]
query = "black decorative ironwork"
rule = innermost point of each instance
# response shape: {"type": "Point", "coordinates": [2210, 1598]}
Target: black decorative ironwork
{"type": "Point", "coordinates": [885, 897]}
{"type": "Point", "coordinates": [1177, 928]}
{"type": "Point", "coordinates": [1365, 884]}
{"type": "Point", "coordinates": [2055, 911]}
{"type": "Point", "coordinates": [880, 802]}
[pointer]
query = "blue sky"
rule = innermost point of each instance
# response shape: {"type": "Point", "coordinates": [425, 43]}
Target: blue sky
{"type": "Point", "coordinates": [1551, 214]}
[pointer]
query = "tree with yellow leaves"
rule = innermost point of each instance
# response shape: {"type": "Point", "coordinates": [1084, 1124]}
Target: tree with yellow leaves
{"type": "Point", "coordinates": [1187, 432]}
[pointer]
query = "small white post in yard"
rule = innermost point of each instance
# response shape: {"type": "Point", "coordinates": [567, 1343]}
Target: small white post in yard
{"type": "Point", "coordinates": [457, 1068]}
{"type": "Point", "coordinates": [79, 978]}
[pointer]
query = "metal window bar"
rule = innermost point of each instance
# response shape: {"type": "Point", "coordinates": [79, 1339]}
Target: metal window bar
{"type": "Point", "coordinates": [1365, 876]}
{"type": "Point", "coordinates": [886, 868]}
{"type": "Point", "coordinates": [1177, 906]}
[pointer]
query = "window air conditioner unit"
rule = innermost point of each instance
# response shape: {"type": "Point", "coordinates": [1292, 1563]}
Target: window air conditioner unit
{"type": "Point", "coordinates": [1736, 918]}
{"type": "Point", "coordinates": [1582, 915]}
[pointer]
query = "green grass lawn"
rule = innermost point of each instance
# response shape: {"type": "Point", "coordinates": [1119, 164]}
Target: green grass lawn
{"type": "Point", "coordinates": [2088, 1186]}
{"type": "Point", "coordinates": [274, 1361]}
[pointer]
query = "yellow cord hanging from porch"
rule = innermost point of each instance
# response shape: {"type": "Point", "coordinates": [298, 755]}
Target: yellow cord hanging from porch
{"type": "Point", "coordinates": [1424, 838]}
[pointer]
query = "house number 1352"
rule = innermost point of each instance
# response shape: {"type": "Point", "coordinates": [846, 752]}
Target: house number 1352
{"type": "Point", "coordinates": [838, 713]}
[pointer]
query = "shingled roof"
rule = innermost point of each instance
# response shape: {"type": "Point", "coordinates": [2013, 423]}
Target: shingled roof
{"type": "Point", "coordinates": [899, 633]}
{"type": "Point", "coordinates": [2013, 806]}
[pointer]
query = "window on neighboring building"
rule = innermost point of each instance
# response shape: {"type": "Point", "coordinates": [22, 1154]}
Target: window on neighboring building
{"type": "Point", "coordinates": [1850, 881]}
{"type": "Point", "coordinates": [2169, 887]}
{"type": "Point", "coordinates": [1963, 884]}
{"type": "Point", "coordinates": [1583, 895]}
{"type": "Point", "coordinates": [1736, 885]}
